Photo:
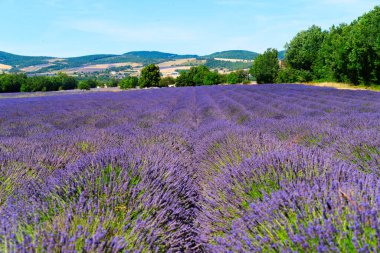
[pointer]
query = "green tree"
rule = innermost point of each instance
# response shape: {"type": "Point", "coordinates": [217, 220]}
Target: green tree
{"type": "Point", "coordinates": [129, 82]}
{"type": "Point", "coordinates": [113, 82]}
{"type": "Point", "coordinates": [184, 79]}
{"type": "Point", "coordinates": [239, 76]}
{"type": "Point", "coordinates": [303, 50]}
{"type": "Point", "coordinates": [198, 74]}
{"type": "Point", "coordinates": [266, 66]}
{"type": "Point", "coordinates": [364, 55]}
{"type": "Point", "coordinates": [331, 64]}
{"type": "Point", "coordinates": [63, 82]}
{"type": "Point", "coordinates": [345, 53]}
{"type": "Point", "coordinates": [84, 85]}
{"type": "Point", "coordinates": [232, 78]}
{"type": "Point", "coordinates": [93, 83]}
{"type": "Point", "coordinates": [166, 81]}
{"type": "Point", "coordinates": [11, 82]}
{"type": "Point", "coordinates": [290, 75]}
{"type": "Point", "coordinates": [150, 76]}
{"type": "Point", "coordinates": [211, 78]}
{"type": "Point", "coordinates": [192, 77]}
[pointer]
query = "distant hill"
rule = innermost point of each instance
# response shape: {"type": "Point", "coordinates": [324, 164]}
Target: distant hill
{"type": "Point", "coordinates": [233, 54]}
{"type": "Point", "coordinates": [22, 61]}
{"type": "Point", "coordinates": [143, 57]}
{"type": "Point", "coordinates": [215, 64]}
{"type": "Point", "coordinates": [44, 64]}
{"type": "Point", "coordinates": [158, 55]}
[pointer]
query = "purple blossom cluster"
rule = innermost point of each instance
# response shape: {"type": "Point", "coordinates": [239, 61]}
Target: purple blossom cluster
{"type": "Point", "coordinates": [272, 168]}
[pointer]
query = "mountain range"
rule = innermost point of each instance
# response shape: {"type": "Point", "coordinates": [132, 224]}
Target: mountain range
{"type": "Point", "coordinates": [49, 64]}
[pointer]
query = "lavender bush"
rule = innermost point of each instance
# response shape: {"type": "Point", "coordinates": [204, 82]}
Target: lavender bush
{"type": "Point", "coordinates": [274, 168]}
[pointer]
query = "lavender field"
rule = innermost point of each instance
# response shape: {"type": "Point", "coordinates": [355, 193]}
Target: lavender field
{"type": "Point", "coordinates": [272, 168]}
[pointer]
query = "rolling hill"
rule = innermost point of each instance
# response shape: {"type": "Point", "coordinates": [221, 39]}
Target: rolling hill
{"type": "Point", "coordinates": [43, 64]}
{"type": "Point", "coordinates": [233, 54]}
{"type": "Point", "coordinates": [22, 61]}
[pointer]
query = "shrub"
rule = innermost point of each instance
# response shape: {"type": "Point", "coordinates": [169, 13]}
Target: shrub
{"type": "Point", "coordinates": [166, 81]}
{"type": "Point", "coordinates": [129, 82]}
{"type": "Point", "coordinates": [84, 85]}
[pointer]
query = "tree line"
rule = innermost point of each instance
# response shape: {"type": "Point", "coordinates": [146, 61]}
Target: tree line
{"type": "Point", "coordinates": [347, 53]}
{"type": "Point", "coordinates": [23, 83]}
{"type": "Point", "coordinates": [61, 81]}
{"type": "Point", "coordinates": [150, 77]}
{"type": "Point", "coordinates": [195, 76]}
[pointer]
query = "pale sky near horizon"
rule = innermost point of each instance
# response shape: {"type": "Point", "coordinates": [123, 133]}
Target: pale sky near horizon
{"type": "Point", "coordinates": [65, 28]}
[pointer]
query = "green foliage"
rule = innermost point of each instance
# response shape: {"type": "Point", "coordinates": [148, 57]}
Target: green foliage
{"type": "Point", "coordinates": [232, 78]}
{"type": "Point", "coordinates": [364, 49]}
{"type": "Point", "coordinates": [93, 83]}
{"type": "Point", "coordinates": [66, 82]}
{"type": "Point", "coordinates": [150, 76]}
{"type": "Point", "coordinates": [303, 50]}
{"type": "Point", "coordinates": [211, 78]}
{"type": "Point", "coordinates": [84, 85]}
{"type": "Point", "coordinates": [184, 79]}
{"type": "Point", "coordinates": [290, 75]}
{"type": "Point", "coordinates": [113, 82]}
{"type": "Point", "coordinates": [266, 67]}
{"type": "Point", "coordinates": [199, 73]}
{"type": "Point", "coordinates": [234, 54]}
{"type": "Point", "coordinates": [166, 81]}
{"type": "Point", "coordinates": [12, 83]}
{"type": "Point", "coordinates": [130, 82]}
{"type": "Point", "coordinates": [346, 53]}
{"type": "Point", "coordinates": [20, 82]}
{"type": "Point", "coordinates": [239, 76]}
{"type": "Point", "coordinates": [22, 61]}
{"type": "Point", "coordinates": [87, 84]}
{"type": "Point", "coordinates": [197, 76]}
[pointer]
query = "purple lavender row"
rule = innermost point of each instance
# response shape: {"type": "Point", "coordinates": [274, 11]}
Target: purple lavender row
{"type": "Point", "coordinates": [205, 169]}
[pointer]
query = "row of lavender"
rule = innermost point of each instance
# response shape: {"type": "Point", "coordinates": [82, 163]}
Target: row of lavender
{"type": "Point", "coordinates": [206, 169]}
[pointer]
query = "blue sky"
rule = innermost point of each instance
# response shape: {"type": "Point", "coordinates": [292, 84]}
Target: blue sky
{"type": "Point", "coordinates": [79, 27]}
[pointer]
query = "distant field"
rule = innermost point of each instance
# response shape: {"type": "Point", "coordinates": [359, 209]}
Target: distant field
{"type": "Point", "coordinates": [168, 71]}
{"type": "Point", "coordinates": [101, 67]}
{"type": "Point", "coordinates": [36, 67]}
{"type": "Point", "coordinates": [178, 62]}
{"type": "Point", "coordinates": [5, 67]}
{"type": "Point", "coordinates": [232, 60]}
{"type": "Point", "coordinates": [56, 60]}
{"type": "Point", "coordinates": [111, 65]}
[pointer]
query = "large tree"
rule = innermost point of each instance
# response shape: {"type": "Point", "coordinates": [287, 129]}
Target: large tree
{"type": "Point", "coordinates": [266, 66]}
{"type": "Point", "coordinates": [129, 82]}
{"type": "Point", "coordinates": [197, 76]}
{"type": "Point", "coordinates": [302, 52]}
{"type": "Point", "coordinates": [364, 42]}
{"type": "Point", "coordinates": [150, 76]}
